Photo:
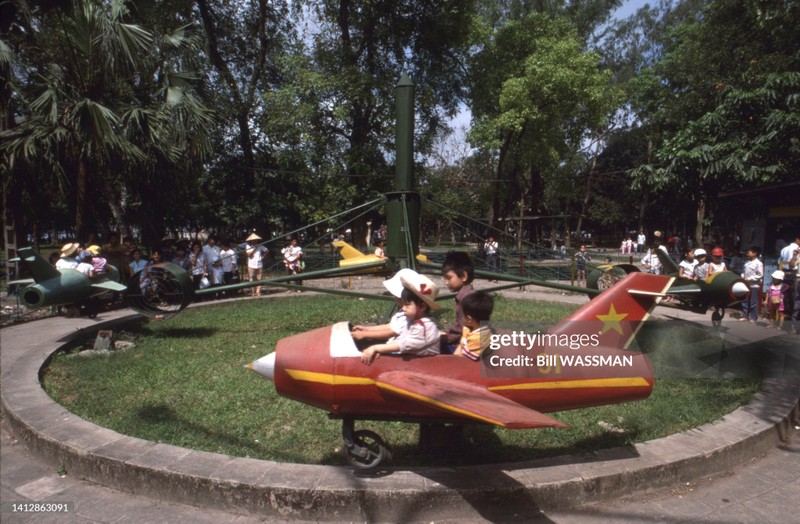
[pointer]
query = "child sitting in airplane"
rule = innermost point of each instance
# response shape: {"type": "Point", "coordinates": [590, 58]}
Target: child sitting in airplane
{"type": "Point", "coordinates": [419, 336]}
{"type": "Point", "coordinates": [476, 334]}
{"type": "Point", "coordinates": [701, 269]}
{"type": "Point", "coordinates": [71, 259]}
{"type": "Point", "coordinates": [386, 332]}
{"type": "Point", "coordinates": [92, 256]}
{"type": "Point", "coordinates": [99, 263]}
{"type": "Point", "coordinates": [379, 252]}
{"type": "Point", "coordinates": [688, 264]}
{"type": "Point", "coordinates": [67, 259]}
{"type": "Point", "coordinates": [458, 272]}
{"type": "Point", "coordinates": [716, 265]}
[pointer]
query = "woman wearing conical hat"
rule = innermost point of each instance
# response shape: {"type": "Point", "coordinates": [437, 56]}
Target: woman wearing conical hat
{"type": "Point", "coordinates": [255, 260]}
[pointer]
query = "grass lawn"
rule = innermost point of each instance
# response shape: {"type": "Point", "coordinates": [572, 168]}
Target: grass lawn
{"type": "Point", "coordinates": [184, 384]}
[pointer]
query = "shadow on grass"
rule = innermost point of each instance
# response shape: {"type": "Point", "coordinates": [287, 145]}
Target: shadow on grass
{"type": "Point", "coordinates": [480, 445]}
{"type": "Point", "coordinates": [133, 321]}
{"type": "Point", "coordinates": [164, 415]}
{"type": "Point", "coordinates": [180, 332]}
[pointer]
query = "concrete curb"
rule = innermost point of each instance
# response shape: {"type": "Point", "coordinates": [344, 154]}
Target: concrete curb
{"type": "Point", "coordinates": [290, 491]}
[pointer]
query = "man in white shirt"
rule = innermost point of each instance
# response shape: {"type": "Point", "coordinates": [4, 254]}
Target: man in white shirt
{"type": "Point", "coordinates": [214, 267]}
{"type": "Point", "coordinates": [490, 252]}
{"type": "Point", "coordinates": [227, 257]}
{"type": "Point", "coordinates": [789, 263]}
{"type": "Point", "coordinates": [753, 274]}
{"type": "Point", "coordinates": [651, 262]}
{"type": "Point", "coordinates": [640, 240]}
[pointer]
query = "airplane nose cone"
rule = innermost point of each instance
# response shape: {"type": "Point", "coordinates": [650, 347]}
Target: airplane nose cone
{"type": "Point", "coordinates": [739, 290]}
{"type": "Point", "coordinates": [265, 366]}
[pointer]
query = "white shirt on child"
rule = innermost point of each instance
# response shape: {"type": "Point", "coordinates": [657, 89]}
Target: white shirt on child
{"type": "Point", "coordinates": [420, 337]}
{"type": "Point", "coordinates": [66, 263]}
{"type": "Point", "coordinates": [397, 323]}
{"type": "Point", "coordinates": [688, 267]}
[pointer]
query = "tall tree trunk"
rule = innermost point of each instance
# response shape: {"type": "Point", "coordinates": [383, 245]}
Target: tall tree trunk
{"type": "Point", "coordinates": [494, 208]}
{"type": "Point", "coordinates": [80, 199]}
{"type": "Point", "coordinates": [536, 190]}
{"type": "Point", "coordinates": [701, 217]}
{"type": "Point", "coordinates": [495, 211]}
{"type": "Point", "coordinates": [588, 193]}
{"type": "Point", "coordinates": [645, 194]}
{"type": "Point", "coordinates": [643, 209]}
{"type": "Point", "coordinates": [584, 204]}
{"type": "Point", "coordinates": [242, 102]}
{"type": "Point", "coordinates": [115, 204]}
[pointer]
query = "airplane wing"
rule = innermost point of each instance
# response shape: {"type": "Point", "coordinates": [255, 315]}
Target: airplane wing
{"type": "Point", "coordinates": [454, 396]}
{"type": "Point", "coordinates": [24, 281]}
{"type": "Point", "coordinates": [686, 289]}
{"type": "Point", "coordinates": [110, 285]}
{"type": "Point", "coordinates": [348, 251]}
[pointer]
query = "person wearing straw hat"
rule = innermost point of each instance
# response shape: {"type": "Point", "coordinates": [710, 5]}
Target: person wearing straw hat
{"type": "Point", "coordinates": [255, 260]}
{"type": "Point", "coordinates": [67, 259]}
{"type": "Point", "coordinates": [389, 331]}
{"type": "Point", "coordinates": [420, 335]}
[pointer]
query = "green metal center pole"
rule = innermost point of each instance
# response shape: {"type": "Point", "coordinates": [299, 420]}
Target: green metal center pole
{"type": "Point", "coordinates": [404, 134]}
{"type": "Point", "coordinates": [403, 201]}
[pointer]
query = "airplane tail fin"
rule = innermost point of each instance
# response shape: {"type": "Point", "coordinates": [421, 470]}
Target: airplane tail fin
{"type": "Point", "coordinates": [39, 268]}
{"type": "Point", "coordinates": [614, 316]}
{"type": "Point", "coordinates": [670, 267]}
{"type": "Point", "coordinates": [346, 250]}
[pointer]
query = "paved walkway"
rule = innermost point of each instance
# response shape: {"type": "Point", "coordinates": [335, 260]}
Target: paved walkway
{"type": "Point", "coordinates": [765, 490]}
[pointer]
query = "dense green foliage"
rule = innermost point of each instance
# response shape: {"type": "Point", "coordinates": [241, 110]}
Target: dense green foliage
{"type": "Point", "coordinates": [223, 115]}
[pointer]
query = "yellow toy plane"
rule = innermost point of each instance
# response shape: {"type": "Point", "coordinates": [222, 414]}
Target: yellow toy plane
{"type": "Point", "coordinates": [353, 257]}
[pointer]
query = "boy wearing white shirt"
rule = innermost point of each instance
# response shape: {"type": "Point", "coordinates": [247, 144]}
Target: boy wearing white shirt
{"type": "Point", "coordinates": [753, 274]}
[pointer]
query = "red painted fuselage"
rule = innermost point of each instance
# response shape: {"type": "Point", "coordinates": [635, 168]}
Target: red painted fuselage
{"type": "Point", "coordinates": [323, 368]}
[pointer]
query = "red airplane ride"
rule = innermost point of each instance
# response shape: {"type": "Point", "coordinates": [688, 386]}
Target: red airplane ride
{"type": "Point", "coordinates": [323, 368]}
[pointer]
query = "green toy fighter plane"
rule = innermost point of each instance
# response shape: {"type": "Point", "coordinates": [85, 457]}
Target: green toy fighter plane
{"type": "Point", "coordinates": [67, 288]}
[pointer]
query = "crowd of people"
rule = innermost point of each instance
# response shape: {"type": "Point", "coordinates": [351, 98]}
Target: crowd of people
{"type": "Point", "coordinates": [216, 264]}
{"type": "Point", "coordinates": [411, 331]}
{"type": "Point", "coordinates": [783, 296]}
{"type": "Point", "coordinates": [778, 302]}
{"type": "Point", "coordinates": [210, 264]}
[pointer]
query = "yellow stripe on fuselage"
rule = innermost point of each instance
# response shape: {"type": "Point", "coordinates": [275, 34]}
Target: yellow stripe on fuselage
{"type": "Point", "coordinates": [338, 380]}
{"type": "Point", "coordinates": [333, 380]}
{"type": "Point", "coordinates": [578, 384]}
{"type": "Point", "coordinates": [327, 378]}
